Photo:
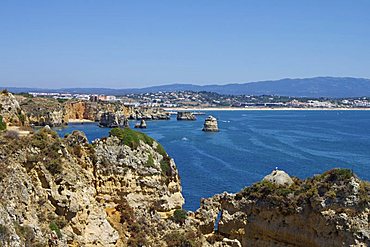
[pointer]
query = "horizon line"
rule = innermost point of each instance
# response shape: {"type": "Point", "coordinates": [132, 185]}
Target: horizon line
{"type": "Point", "coordinates": [184, 83]}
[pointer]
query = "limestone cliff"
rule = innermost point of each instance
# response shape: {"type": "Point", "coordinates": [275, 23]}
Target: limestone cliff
{"type": "Point", "coordinates": [11, 111]}
{"type": "Point", "coordinates": [43, 111]}
{"type": "Point", "coordinates": [185, 116]}
{"type": "Point", "coordinates": [124, 190]}
{"type": "Point", "coordinates": [66, 192]}
{"type": "Point", "coordinates": [328, 210]}
{"type": "Point", "coordinates": [47, 111]}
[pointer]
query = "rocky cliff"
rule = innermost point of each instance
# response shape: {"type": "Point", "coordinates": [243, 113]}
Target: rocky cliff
{"type": "Point", "coordinates": [124, 190]}
{"type": "Point", "coordinates": [185, 116]}
{"type": "Point", "coordinates": [43, 111]}
{"type": "Point", "coordinates": [331, 209]}
{"type": "Point", "coordinates": [11, 111]}
{"type": "Point", "coordinates": [48, 111]}
{"type": "Point", "coordinates": [119, 191]}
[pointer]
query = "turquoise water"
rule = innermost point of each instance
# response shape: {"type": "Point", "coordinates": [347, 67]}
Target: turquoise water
{"type": "Point", "coordinates": [252, 143]}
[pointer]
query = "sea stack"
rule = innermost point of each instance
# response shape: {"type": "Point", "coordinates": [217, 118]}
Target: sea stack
{"type": "Point", "coordinates": [111, 120]}
{"type": "Point", "coordinates": [185, 116]}
{"type": "Point", "coordinates": [141, 125]}
{"type": "Point", "coordinates": [210, 124]}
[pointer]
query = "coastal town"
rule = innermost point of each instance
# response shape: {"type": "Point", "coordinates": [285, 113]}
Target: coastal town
{"type": "Point", "coordinates": [190, 99]}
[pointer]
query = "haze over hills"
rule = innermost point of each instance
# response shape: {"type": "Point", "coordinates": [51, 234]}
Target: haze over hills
{"type": "Point", "coordinates": [333, 87]}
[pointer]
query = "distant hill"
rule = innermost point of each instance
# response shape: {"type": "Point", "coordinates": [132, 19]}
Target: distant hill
{"type": "Point", "coordinates": [334, 87]}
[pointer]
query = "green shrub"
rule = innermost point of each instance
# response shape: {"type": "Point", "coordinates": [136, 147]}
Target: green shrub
{"type": "Point", "coordinates": [150, 161]}
{"type": "Point", "coordinates": [54, 227]}
{"type": "Point", "coordinates": [180, 215]}
{"type": "Point", "coordinates": [22, 118]}
{"type": "Point", "coordinates": [2, 124]}
{"type": "Point", "coordinates": [4, 235]}
{"type": "Point", "coordinates": [131, 137]}
{"type": "Point", "coordinates": [182, 239]}
{"type": "Point", "coordinates": [26, 233]}
{"type": "Point", "coordinates": [284, 191]}
{"type": "Point", "coordinates": [364, 192]}
{"type": "Point", "coordinates": [166, 167]}
{"type": "Point", "coordinates": [62, 100]}
{"type": "Point", "coordinates": [5, 91]}
{"type": "Point", "coordinates": [54, 167]}
{"type": "Point", "coordinates": [49, 144]}
{"type": "Point", "coordinates": [331, 194]}
{"type": "Point", "coordinates": [337, 174]}
{"type": "Point", "coordinates": [161, 150]}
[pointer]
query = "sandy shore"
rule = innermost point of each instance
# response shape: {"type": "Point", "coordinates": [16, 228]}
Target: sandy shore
{"type": "Point", "coordinates": [263, 109]}
{"type": "Point", "coordinates": [18, 130]}
{"type": "Point", "coordinates": [80, 121]}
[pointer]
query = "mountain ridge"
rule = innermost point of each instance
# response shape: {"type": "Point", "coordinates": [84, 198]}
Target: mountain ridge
{"type": "Point", "coordinates": [331, 87]}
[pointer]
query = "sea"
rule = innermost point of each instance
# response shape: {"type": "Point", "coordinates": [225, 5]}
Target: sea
{"type": "Point", "coordinates": [250, 144]}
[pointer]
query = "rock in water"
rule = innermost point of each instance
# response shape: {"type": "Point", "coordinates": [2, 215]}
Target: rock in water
{"type": "Point", "coordinates": [126, 123]}
{"type": "Point", "coordinates": [111, 120]}
{"type": "Point", "coordinates": [210, 124]}
{"type": "Point", "coordinates": [279, 177]}
{"type": "Point", "coordinates": [141, 125]}
{"type": "Point", "coordinates": [185, 116]}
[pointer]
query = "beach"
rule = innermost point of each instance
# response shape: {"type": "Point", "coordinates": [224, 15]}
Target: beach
{"type": "Point", "coordinates": [80, 121]}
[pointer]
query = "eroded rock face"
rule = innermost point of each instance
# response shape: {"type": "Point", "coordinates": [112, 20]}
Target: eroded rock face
{"type": "Point", "coordinates": [43, 111]}
{"type": "Point", "coordinates": [48, 111]}
{"type": "Point", "coordinates": [11, 111]}
{"type": "Point", "coordinates": [148, 113]}
{"type": "Point", "coordinates": [112, 120]}
{"type": "Point", "coordinates": [328, 210]}
{"type": "Point", "coordinates": [106, 194]}
{"type": "Point", "coordinates": [279, 177]}
{"type": "Point", "coordinates": [141, 125]}
{"type": "Point", "coordinates": [185, 116]}
{"type": "Point", "coordinates": [122, 192]}
{"type": "Point", "coordinates": [210, 124]}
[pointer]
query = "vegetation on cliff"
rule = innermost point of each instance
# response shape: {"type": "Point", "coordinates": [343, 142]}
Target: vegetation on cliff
{"type": "Point", "coordinates": [126, 188]}
{"type": "Point", "coordinates": [2, 124]}
{"type": "Point", "coordinates": [332, 188]}
{"type": "Point", "coordinates": [59, 191]}
{"type": "Point", "coordinates": [132, 139]}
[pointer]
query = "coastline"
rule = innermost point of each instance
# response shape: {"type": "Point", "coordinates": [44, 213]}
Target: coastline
{"type": "Point", "coordinates": [261, 109]}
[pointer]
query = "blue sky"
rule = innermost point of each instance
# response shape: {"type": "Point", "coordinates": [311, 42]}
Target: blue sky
{"type": "Point", "coordinates": [120, 44]}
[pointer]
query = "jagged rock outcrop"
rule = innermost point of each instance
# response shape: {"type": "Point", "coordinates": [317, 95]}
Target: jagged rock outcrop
{"type": "Point", "coordinates": [185, 116]}
{"type": "Point", "coordinates": [81, 110]}
{"type": "Point", "coordinates": [279, 177]}
{"type": "Point", "coordinates": [149, 113]}
{"type": "Point", "coordinates": [11, 111]}
{"type": "Point", "coordinates": [43, 111]}
{"type": "Point", "coordinates": [141, 125]}
{"type": "Point", "coordinates": [112, 120]}
{"type": "Point", "coordinates": [210, 124]}
{"type": "Point", "coordinates": [66, 192]}
{"type": "Point", "coordinates": [328, 210]}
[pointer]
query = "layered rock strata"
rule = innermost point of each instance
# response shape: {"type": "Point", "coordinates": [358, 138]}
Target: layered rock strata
{"type": "Point", "coordinates": [210, 124]}
{"type": "Point", "coordinates": [66, 192]}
